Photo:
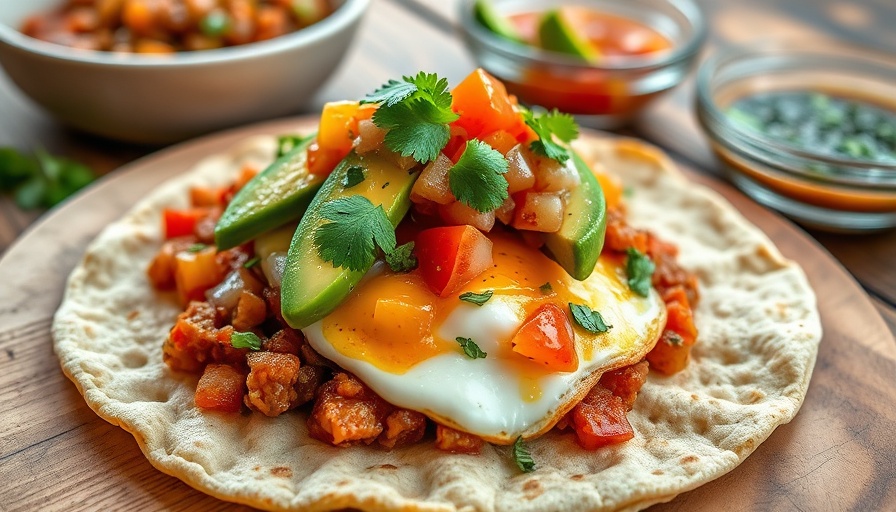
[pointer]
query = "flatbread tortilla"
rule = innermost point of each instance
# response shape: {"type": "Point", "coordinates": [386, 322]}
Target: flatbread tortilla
{"type": "Point", "coordinates": [759, 334]}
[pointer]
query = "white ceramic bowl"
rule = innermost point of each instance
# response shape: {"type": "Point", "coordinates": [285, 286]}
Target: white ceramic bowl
{"type": "Point", "coordinates": [159, 99]}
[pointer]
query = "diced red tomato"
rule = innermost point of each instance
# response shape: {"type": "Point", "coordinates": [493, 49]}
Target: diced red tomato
{"type": "Point", "coordinates": [599, 420]}
{"type": "Point", "coordinates": [451, 256]}
{"type": "Point", "coordinates": [484, 106]}
{"type": "Point", "coordinates": [208, 196]}
{"type": "Point", "coordinates": [547, 338]}
{"type": "Point", "coordinates": [672, 351]}
{"type": "Point", "coordinates": [221, 388]}
{"type": "Point", "coordinates": [501, 140]}
{"type": "Point", "coordinates": [456, 140]}
{"type": "Point", "coordinates": [182, 222]}
{"type": "Point", "coordinates": [196, 272]}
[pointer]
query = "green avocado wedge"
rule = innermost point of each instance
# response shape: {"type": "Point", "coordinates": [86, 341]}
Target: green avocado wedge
{"type": "Point", "coordinates": [277, 195]}
{"type": "Point", "coordinates": [486, 14]}
{"type": "Point", "coordinates": [312, 287]}
{"type": "Point", "coordinates": [556, 35]}
{"type": "Point", "coordinates": [577, 245]}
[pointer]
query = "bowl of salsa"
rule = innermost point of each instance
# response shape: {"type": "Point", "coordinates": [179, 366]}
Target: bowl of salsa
{"type": "Point", "coordinates": [808, 129]}
{"type": "Point", "coordinates": [602, 60]}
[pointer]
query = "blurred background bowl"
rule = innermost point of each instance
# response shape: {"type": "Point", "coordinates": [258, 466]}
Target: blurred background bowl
{"type": "Point", "coordinates": [813, 185]}
{"type": "Point", "coordinates": [158, 99]}
{"type": "Point", "coordinates": [603, 94]}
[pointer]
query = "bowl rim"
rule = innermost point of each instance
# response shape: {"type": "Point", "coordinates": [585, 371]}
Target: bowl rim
{"type": "Point", "coordinates": [532, 55]}
{"type": "Point", "coordinates": [347, 13]}
{"type": "Point", "coordinates": [833, 52]}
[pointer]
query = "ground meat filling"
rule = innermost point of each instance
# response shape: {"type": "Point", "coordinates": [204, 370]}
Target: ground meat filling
{"type": "Point", "coordinates": [271, 379]}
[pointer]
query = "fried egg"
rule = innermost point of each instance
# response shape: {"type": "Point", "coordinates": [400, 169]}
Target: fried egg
{"type": "Point", "coordinates": [400, 339]}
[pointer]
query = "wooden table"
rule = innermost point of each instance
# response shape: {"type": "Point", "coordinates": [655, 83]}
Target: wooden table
{"type": "Point", "coordinates": [428, 40]}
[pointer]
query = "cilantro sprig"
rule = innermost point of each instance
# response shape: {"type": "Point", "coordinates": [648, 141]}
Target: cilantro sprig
{"type": "Point", "coordinates": [640, 269]}
{"type": "Point", "coordinates": [40, 180]}
{"type": "Point", "coordinates": [355, 230]}
{"type": "Point", "coordinates": [471, 349]}
{"type": "Point", "coordinates": [590, 320]}
{"type": "Point", "coordinates": [416, 112]}
{"type": "Point", "coordinates": [522, 457]}
{"type": "Point", "coordinates": [248, 340]}
{"type": "Point", "coordinates": [476, 298]}
{"type": "Point", "coordinates": [402, 259]}
{"type": "Point", "coordinates": [477, 179]}
{"type": "Point", "coordinates": [551, 127]}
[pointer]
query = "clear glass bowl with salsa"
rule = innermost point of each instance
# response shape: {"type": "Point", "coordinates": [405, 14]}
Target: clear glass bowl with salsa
{"type": "Point", "coordinates": [636, 49]}
{"type": "Point", "coordinates": [808, 129]}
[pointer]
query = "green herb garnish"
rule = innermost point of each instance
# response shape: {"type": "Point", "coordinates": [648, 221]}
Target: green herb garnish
{"type": "Point", "coordinates": [402, 259]}
{"type": "Point", "coordinates": [522, 457]}
{"type": "Point", "coordinates": [550, 126]}
{"type": "Point", "coordinates": [215, 24]}
{"type": "Point", "coordinates": [353, 176]}
{"type": "Point", "coordinates": [248, 340]}
{"type": "Point", "coordinates": [477, 179]}
{"type": "Point", "coordinates": [357, 228]}
{"type": "Point", "coordinates": [640, 271]}
{"type": "Point", "coordinates": [286, 143]}
{"type": "Point", "coordinates": [588, 319]}
{"type": "Point", "coordinates": [416, 112]}
{"type": "Point", "coordinates": [546, 288]}
{"type": "Point", "coordinates": [252, 262]}
{"type": "Point", "coordinates": [40, 180]}
{"type": "Point", "coordinates": [476, 298]}
{"type": "Point", "coordinates": [471, 349]}
{"type": "Point", "coordinates": [196, 248]}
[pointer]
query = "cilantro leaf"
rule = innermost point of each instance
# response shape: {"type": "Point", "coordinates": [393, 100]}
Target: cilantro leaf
{"type": "Point", "coordinates": [402, 259]}
{"type": "Point", "coordinates": [522, 457]}
{"type": "Point", "coordinates": [353, 176]}
{"type": "Point", "coordinates": [391, 92]}
{"type": "Point", "coordinates": [477, 298]}
{"type": "Point", "coordinates": [546, 288]}
{"type": "Point", "coordinates": [471, 349]}
{"type": "Point", "coordinates": [41, 180]}
{"type": "Point", "coordinates": [416, 112]}
{"type": "Point", "coordinates": [357, 227]}
{"type": "Point", "coordinates": [196, 248]}
{"type": "Point", "coordinates": [477, 179]}
{"type": "Point", "coordinates": [550, 126]}
{"type": "Point", "coordinates": [251, 263]}
{"type": "Point", "coordinates": [417, 128]}
{"type": "Point", "coordinates": [15, 169]}
{"type": "Point", "coordinates": [590, 320]}
{"type": "Point", "coordinates": [640, 271]}
{"type": "Point", "coordinates": [248, 340]}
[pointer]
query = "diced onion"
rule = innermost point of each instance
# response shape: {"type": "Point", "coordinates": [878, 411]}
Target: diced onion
{"type": "Point", "coordinates": [273, 267]}
{"type": "Point", "coordinates": [552, 176]}
{"type": "Point", "coordinates": [459, 214]}
{"type": "Point", "coordinates": [227, 293]}
{"type": "Point", "coordinates": [504, 213]}
{"type": "Point", "coordinates": [370, 137]}
{"type": "Point", "coordinates": [432, 184]}
{"type": "Point", "coordinates": [539, 211]}
{"type": "Point", "coordinates": [519, 173]}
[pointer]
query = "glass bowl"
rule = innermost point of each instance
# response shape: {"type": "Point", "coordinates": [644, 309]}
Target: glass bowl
{"type": "Point", "coordinates": [810, 185]}
{"type": "Point", "coordinates": [606, 94]}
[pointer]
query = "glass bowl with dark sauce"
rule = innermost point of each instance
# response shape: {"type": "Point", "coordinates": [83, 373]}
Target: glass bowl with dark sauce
{"type": "Point", "coordinates": [808, 129]}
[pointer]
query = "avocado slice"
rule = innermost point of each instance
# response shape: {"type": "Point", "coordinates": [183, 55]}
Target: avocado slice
{"type": "Point", "coordinates": [486, 14]}
{"type": "Point", "coordinates": [577, 244]}
{"type": "Point", "coordinates": [274, 197]}
{"type": "Point", "coordinates": [557, 35]}
{"type": "Point", "coordinates": [312, 287]}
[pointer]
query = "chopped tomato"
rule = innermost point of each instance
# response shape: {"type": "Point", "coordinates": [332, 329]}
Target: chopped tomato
{"type": "Point", "coordinates": [457, 140]}
{"type": "Point", "coordinates": [221, 388]}
{"type": "Point", "coordinates": [322, 161]}
{"type": "Point", "coordinates": [182, 222]}
{"type": "Point", "coordinates": [451, 256]}
{"type": "Point", "coordinates": [547, 338]}
{"type": "Point", "coordinates": [208, 196]}
{"type": "Point", "coordinates": [196, 272]}
{"type": "Point", "coordinates": [501, 140]}
{"type": "Point", "coordinates": [672, 351]}
{"type": "Point", "coordinates": [483, 104]}
{"type": "Point", "coordinates": [599, 419]}
{"type": "Point", "coordinates": [339, 124]}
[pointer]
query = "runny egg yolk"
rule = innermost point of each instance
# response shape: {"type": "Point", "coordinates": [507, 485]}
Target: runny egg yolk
{"type": "Point", "coordinates": [394, 322]}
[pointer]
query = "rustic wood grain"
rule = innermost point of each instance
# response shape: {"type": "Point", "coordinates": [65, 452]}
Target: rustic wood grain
{"type": "Point", "coordinates": [56, 454]}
